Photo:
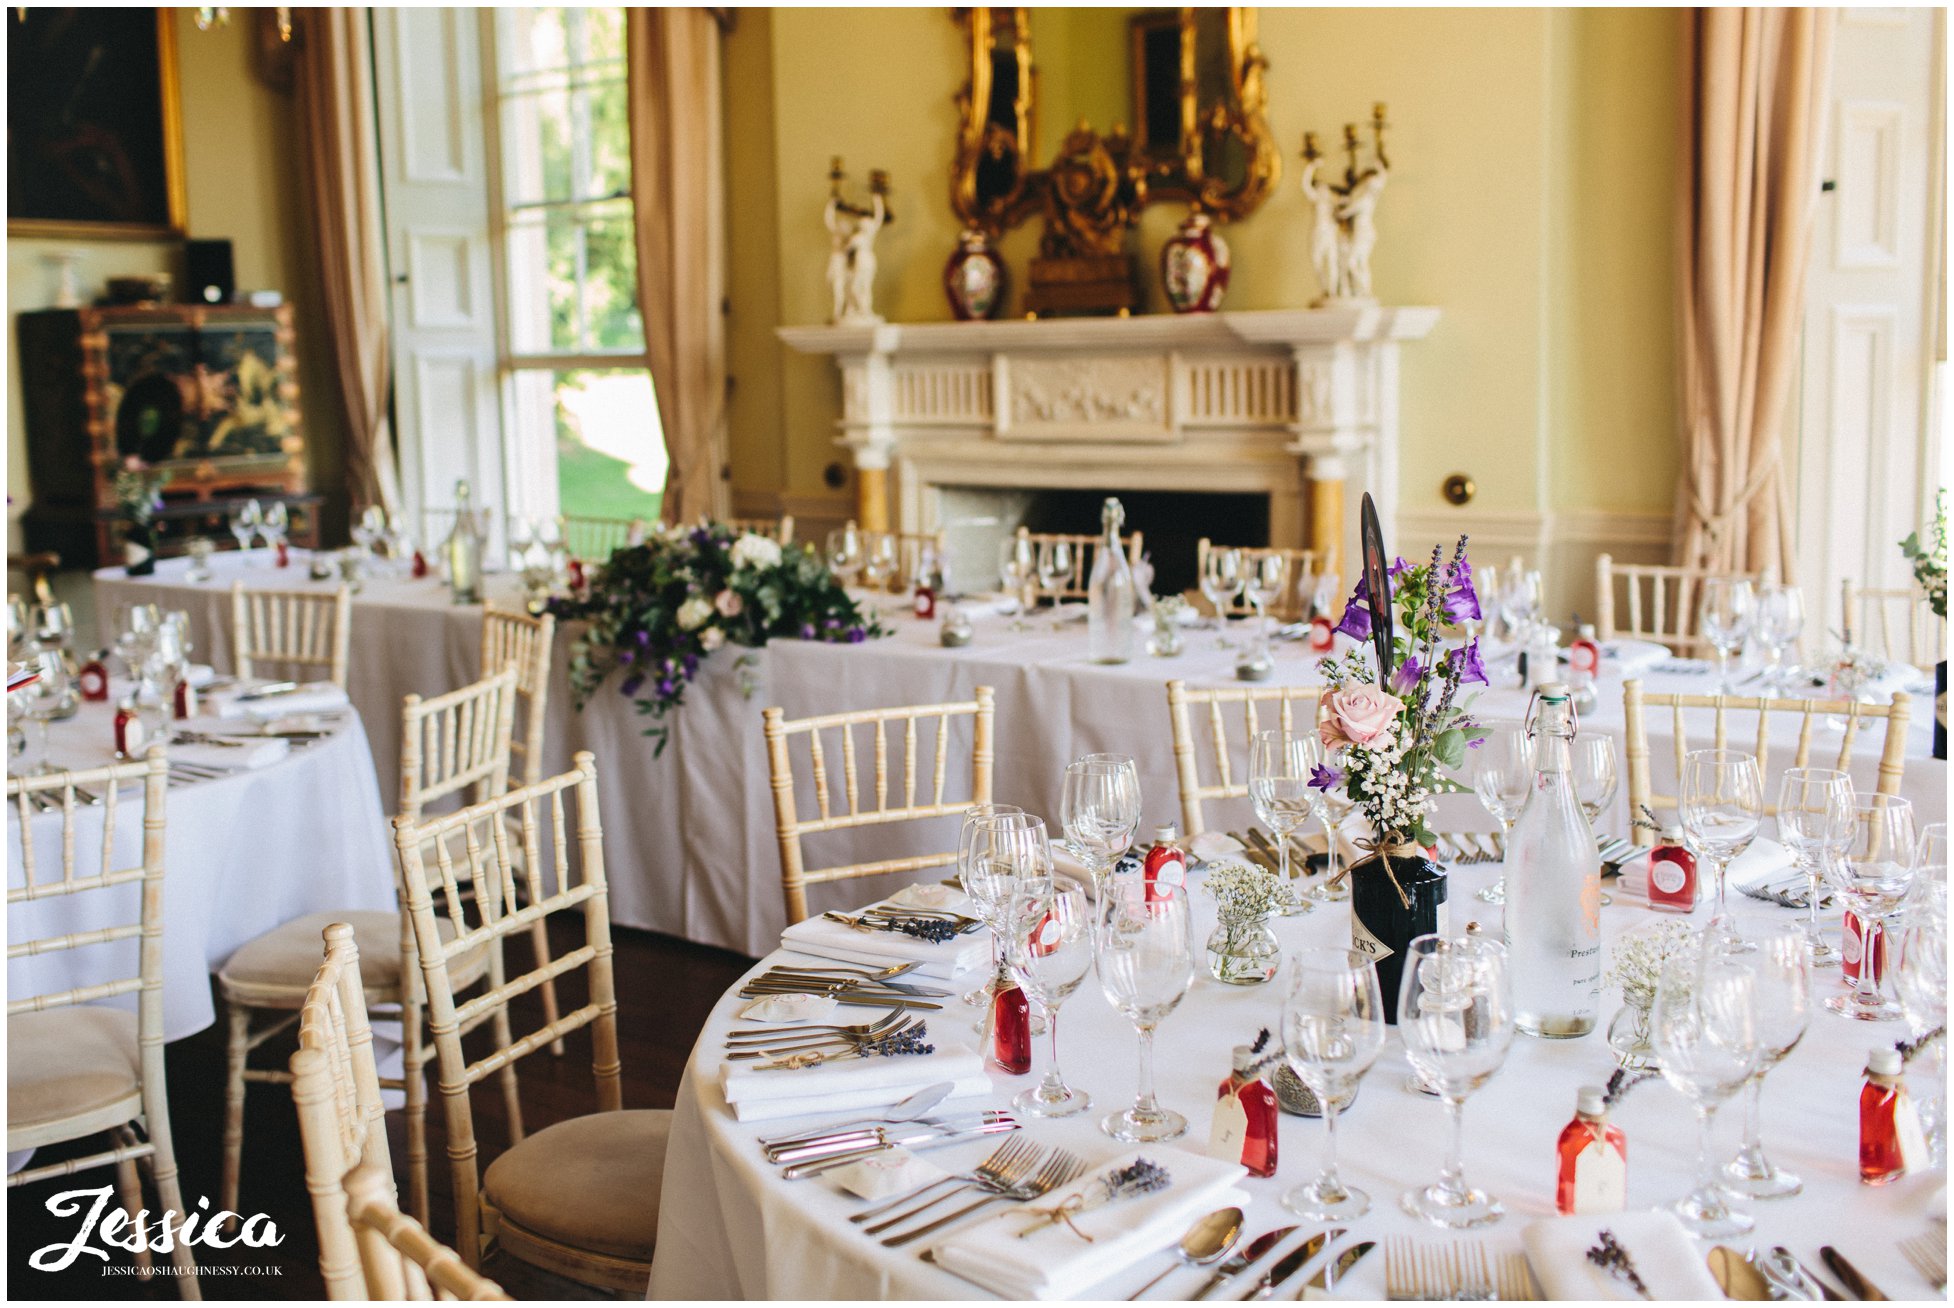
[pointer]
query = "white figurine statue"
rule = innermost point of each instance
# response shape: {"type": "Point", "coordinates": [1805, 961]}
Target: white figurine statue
{"type": "Point", "coordinates": [1359, 215]}
{"type": "Point", "coordinates": [851, 263]}
{"type": "Point", "coordinates": [1325, 239]}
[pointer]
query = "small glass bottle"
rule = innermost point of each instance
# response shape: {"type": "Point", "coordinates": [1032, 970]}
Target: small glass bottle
{"type": "Point", "coordinates": [420, 565]}
{"type": "Point", "coordinates": [925, 598]}
{"type": "Point", "coordinates": [1855, 946]}
{"type": "Point", "coordinates": [1011, 1030]}
{"type": "Point", "coordinates": [1672, 874]}
{"type": "Point", "coordinates": [284, 554]}
{"type": "Point", "coordinates": [1593, 1174]}
{"type": "Point", "coordinates": [1584, 667]}
{"type": "Point", "coordinates": [93, 679]}
{"type": "Point", "coordinates": [1165, 865]}
{"type": "Point", "coordinates": [128, 729]}
{"type": "Point", "coordinates": [1890, 1138]}
{"type": "Point", "coordinates": [464, 549]}
{"type": "Point", "coordinates": [1245, 1115]}
{"type": "Point", "coordinates": [183, 701]}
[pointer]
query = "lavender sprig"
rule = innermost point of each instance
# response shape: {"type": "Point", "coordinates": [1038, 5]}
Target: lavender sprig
{"type": "Point", "coordinates": [1611, 1258]}
{"type": "Point", "coordinates": [1139, 1177]}
{"type": "Point", "coordinates": [908, 1041]}
{"type": "Point", "coordinates": [1909, 1048]}
{"type": "Point", "coordinates": [1621, 1083]}
{"type": "Point", "coordinates": [936, 930]}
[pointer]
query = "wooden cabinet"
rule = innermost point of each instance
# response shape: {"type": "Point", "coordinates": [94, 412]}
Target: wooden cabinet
{"type": "Point", "coordinates": [208, 393]}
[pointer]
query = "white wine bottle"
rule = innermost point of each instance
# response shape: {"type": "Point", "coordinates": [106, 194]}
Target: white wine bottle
{"type": "Point", "coordinates": [1109, 593]}
{"type": "Point", "coordinates": [1553, 889]}
{"type": "Point", "coordinates": [464, 549]}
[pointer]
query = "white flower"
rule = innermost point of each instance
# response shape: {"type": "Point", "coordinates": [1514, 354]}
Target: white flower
{"type": "Point", "coordinates": [694, 613]}
{"type": "Point", "coordinates": [751, 551]}
{"type": "Point", "coordinates": [712, 638]}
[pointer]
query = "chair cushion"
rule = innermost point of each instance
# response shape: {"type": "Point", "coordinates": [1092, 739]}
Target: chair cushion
{"type": "Point", "coordinates": [590, 1183]}
{"type": "Point", "coordinates": [71, 1061]}
{"type": "Point", "coordinates": [278, 966]}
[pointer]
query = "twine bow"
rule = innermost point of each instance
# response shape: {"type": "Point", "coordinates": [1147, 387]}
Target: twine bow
{"type": "Point", "coordinates": [1064, 1212]}
{"type": "Point", "coordinates": [1386, 847]}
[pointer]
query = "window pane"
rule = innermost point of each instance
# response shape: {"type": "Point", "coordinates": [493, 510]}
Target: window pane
{"type": "Point", "coordinates": [610, 448]}
{"type": "Point", "coordinates": [573, 280]}
{"type": "Point", "coordinates": [564, 127]}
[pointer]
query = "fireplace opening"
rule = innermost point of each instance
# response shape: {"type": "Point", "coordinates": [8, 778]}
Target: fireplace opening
{"type": "Point", "coordinates": [1173, 523]}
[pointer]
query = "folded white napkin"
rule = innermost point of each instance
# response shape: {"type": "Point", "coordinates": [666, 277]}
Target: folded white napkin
{"type": "Point", "coordinates": [844, 1087]}
{"type": "Point", "coordinates": [824, 939]}
{"type": "Point", "coordinates": [990, 605]}
{"type": "Point", "coordinates": [1626, 658]}
{"type": "Point", "coordinates": [1765, 858]}
{"type": "Point", "coordinates": [1210, 845]}
{"type": "Point", "coordinates": [1662, 1252]}
{"type": "Point", "coordinates": [246, 754]}
{"type": "Point", "coordinates": [1054, 1263]}
{"type": "Point", "coordinates": [200, 675]}
{"type": "Point", "coordinates": [313, 697]}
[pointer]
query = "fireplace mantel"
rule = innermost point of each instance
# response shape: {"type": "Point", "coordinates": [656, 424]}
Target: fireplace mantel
{"type": "Point", "coordinates": [1300, 404]}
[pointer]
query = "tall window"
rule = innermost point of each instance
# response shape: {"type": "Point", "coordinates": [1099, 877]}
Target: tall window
{"type": "Point", "coordinates": [579, 399]}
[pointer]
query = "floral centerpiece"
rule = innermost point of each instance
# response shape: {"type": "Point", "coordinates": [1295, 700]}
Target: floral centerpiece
{"type": "Point", "coordinates": [656, 610]}
{"type": "Point", "coordinates": [1930, 562]}
{"type": "Point", "coordinates": [139, 494]}
{"type": "Point", "coordinates": [1243, 950]}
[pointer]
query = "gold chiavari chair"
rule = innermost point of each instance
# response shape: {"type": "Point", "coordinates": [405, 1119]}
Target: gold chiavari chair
{"type": "Point", "coordinates": [1895, 624]}
{"type": "Point", "coordinates": [578, 1198]}
{"type": "Point", "coordinates": [401, 1261]}
{"type": "Point", "coordinates": [292, 629]}
{"type": "Point", "coordinates": [1295, 711]}
{"type": "Point", "coordinates": [1809, 714]}
{"type": "Point", "coordinates": [449, 744]}
{"type": "Point", "coordinates": [1085, 548]}
{"type": "Point", "coordinates": [77, 1067]}
{"type": "Point", "coordinates": [1291, 603]}
{"type": "Point", "coordinates": [778, 530]}
{"type": "Point", "coordinates": [795, 876]}
{"type": "Point", "coordinates": [596, 539]}
{"type": "Point", "coordinates": [1661, 602]}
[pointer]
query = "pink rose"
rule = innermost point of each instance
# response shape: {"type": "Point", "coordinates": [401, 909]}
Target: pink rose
{"type": "Point", "coordinates": [728, 604]}
{"type": "Point", "coordinates": [1356, 715]}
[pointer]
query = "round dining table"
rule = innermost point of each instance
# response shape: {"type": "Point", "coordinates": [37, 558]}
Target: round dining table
{"type": "Point", "coordinates": [731, 1227]}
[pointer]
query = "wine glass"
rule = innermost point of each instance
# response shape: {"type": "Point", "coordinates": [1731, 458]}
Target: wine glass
{"type": "Point", "coordinates": [1100, 806]}
{"type": "Point", "coordinates": [1145, 951]}
{"type": "Point", "coordinates": [1781, 972]}
{"type": "Point", "coordinates": [1054, 567]}
{"type": "Point", "coordinates": [1704, 1029]}
{"type": "Point", "coordinates": [983, 881]}
{"type": "Point", "coordinates": [1222, 581]}
{"type": "Point", "coordinates": [246, 522]}
{"type": "Point", "coordinates": [1872, 876]}
{"type": "Point", "coordinates": [1722, 807]}
{"type": "Point", "coordinates": [1780, 622]}
{"type": "Point", "coordinates": [1279, 768]}
{"type": "Point", "coordinates": [1017, 564]}
{"type": "Point", "coordinates": [1455, 1016]}
{"type": "Point", "coordinates": [1502, 777]}
{"type": "Point", "coordinates": [199, 550]}
{"type": "Point", "coordinates": [1930, 862]}
{"type": "Point", "coordinates": [1332, 1031]}
{"type": "Point", "coordinates": [1262, 583]}
{"type": "Point", "coordinates": [1724, 612]}
{"type": "Point", "coordinates": [1519, 603]}
{"type": "Point", "coordinates": [1333, 805]}
{"type": "Point", "coordinates": [1921, 978]}
{"type": "Point", "coordinates": [43, 699]}
{"type": "Point", "coordinates": [846, 553]}
{"type": "Point", "coordinates": [1815, 807]}
{"type": "Point", "coordinates": [1595, 778]}
{"type": "Point", "coordinates": [1050, 954]}
{"type": "Point", "coordinates": [882, 563]}
{"type": "Point", "coordinates": [136, 626]}
{"type": "Point", "coordinates": [169, 664]}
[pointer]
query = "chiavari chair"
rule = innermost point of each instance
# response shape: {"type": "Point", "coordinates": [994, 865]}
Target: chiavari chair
{"type": "Point", "coordinates": [596, 538]}
{"type": "Point", "coordinates": [578, 1198]}
{"type": "Point", "coordinates": [1285, 607]}
{"type": "Point", "coordinates": [294, 629]}
{"type": "Point", "coordinates": [778, 530]}
{"type": "Point", "coordinates": [1661, 602]}
{"type": "Point", "coordinates": [1084, 549]}
{"type": "Point", "coordinates": [1291, 710]}
{"type": "Point", "coordinates": [1809, 715]}
{"type": "Point", "coordinates": [76, 1066]}
{"type": "Point", "coordinates": [1895, 624]}
{"type": "Point", "coordinates": [400, 1260]}
{"type": "Point", "coordinates": [882, 807]}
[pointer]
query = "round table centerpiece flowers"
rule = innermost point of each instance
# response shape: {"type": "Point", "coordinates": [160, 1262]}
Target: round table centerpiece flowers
{"type": "Point", "coordinates": [656, 611]}
{"type": "Point", "coordinates": [1391, 720]}
{"type": "Point", "coordinates": [1634, 967]}
{"type": "Point", "coordinates": [1243, 950]}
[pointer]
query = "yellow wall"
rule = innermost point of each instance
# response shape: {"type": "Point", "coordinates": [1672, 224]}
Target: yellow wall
{"type": "Point", "coordinates": [243, 184]}
{"type": "Point", "coordinates": [1530, 201]}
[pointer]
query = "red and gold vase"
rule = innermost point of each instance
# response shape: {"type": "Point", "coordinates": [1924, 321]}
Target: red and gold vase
{"type": "Point", "coordinates": [1194, 266]}
{"type": "Point", "coordinates": [973, 279]}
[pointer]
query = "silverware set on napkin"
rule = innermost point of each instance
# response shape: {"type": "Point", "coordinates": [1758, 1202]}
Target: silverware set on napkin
{"type": "Point", "coordinates": [873, 987]}
{"type": "Point", "coordinates": [1790, 890]}
{"type": "Point", "coordinates": [817, 1154]}
{"type": "Point", "coordinates": [1778, 1273]}
{"type": "Point", "coordinates": [793, 1048]}
{"type": "Point", "coordinates": [1016, 1171]}
{"type": "Point", "coordinates": [910, 921]}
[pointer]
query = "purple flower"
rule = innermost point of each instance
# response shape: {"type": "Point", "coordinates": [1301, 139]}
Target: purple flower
{"type": "Point", "coordinates": [1466, 660]}
{"type": "Point", "coordinates": [630, 685]}
{"type": "Point", "coordinates": [626, 655]}
{"type": "Point", "coordinates": [691, 662]}
{"type": "Point", "coordinates": [856, 635]}
{"type": "Point", "coordinates": [1461, 604]}
{"type": "Point", "coordinates": [1356, 622]}
{"type": "Point", "coordinates": [1406, 678]}
{"type": "Point", "coordinates": [701, 537]}
{"type": "Point", "coordinates": [644, 639]}
{"type": "Point", "coordinates": [807, 631]}
{"type": "Point", "coordinates": [1398, 568]}
{"type": "Point", "coordinates": [1324, 777]}
{"type": "Point", "coordinates": [665, 687]}
{"type": "Point", "coordinates": [1475, 742]}
{"type": "Point", "coordinates": [832, 624]}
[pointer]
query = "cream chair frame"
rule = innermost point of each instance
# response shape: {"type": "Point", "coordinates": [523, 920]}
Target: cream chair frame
{"type": "Point", "coordinates": [778, 530]}
{"type": "Point", "coordinates": [1636, 703]}
{"type": "Point", "coordinates": [298, 628]}
{"type": "Point", "coordinates": [1919, 637]}
{"type": "Point", "coordinates": [398, 1258]}
{"type": "Point", "coordinates": [147, 1102]}
{"type": "Point", "coordinates": [790, 827]}
{"type": "Point", "coordinates": [1290, 604]}
{"type": "Point", "coordinates": [444, 932]}
{"type": "Point", "coordinates": [1181, 703]}
{"type": "Point", "coordinates": [1085, 549]}
{"type": "Point", "coordinates": [1669, 618]}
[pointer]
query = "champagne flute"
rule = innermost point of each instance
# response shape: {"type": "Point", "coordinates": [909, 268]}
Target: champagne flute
{"type": "Point", "coordinates": [1455, 1016]}
{"type": "Point", "coordinates": [1704, 1028]}
{"type": "Point", "coordinates": [1782, 981]}
{"type": "Point", "coordinates": [846, 553]}
{"type": "Point", "coordinates": [1145, 951]}
{"type": "Point", "coordinates": [1332, 1031]}
{"type": "Point", "coordinates": [1331, 796]}
{"type": "Point", "coordinates": [983, 885]}
{"type": "Point", "coordinates": [246, 522]}
{"type": "Point", "coordinates": [1725, 608]}
{"type": "Point", "coordinates": [1872, 876]}
{"type": "Point", "coordinates": [1722, 805]}
{"type": "Point", "coordinates": [1815, 807]}
{"type": "Point", "coordinates": [1279, 770]}
{"type": "Point", "coordinates": [1050, 954]}
{"type": "Point", "coordinates": [1100, 806]}
{"type": "Point", "coordinates": [1054, 567]}
{"type": "Point", "coordinates": [1502, 777]}
{"type": "Point", "coordinates": [1780, 621]}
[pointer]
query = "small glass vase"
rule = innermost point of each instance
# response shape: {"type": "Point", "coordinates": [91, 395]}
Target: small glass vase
{"type": "Point", "coordinates": [1628, 1035]}
{"type": "Point", "coordinates": [1243, 951]}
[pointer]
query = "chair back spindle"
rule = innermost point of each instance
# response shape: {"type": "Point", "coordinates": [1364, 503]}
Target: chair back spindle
{"type": "Point", "coordinates": [1293, 710]}
{"type": "Point", "coordinates": [296, 631]}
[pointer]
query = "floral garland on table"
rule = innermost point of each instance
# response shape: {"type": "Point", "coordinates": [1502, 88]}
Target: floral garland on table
{"type": "Point", "coordinates": [1395, 740]}
{"type": "Point", "coordinates": [1930, 562]}
{"type": "Point", "coordinates": [658, 609]}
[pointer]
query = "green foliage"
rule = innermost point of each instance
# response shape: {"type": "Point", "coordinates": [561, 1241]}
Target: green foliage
{"type": "Point", "coordinates": [1930, 564]}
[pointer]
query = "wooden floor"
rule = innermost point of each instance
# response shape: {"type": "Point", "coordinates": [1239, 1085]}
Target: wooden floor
{"type": "Point", "coordinates": [665, 989]}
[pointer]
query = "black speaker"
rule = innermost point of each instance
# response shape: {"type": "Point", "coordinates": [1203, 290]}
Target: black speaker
{"type": "Point", "coordinates": [208, 279]}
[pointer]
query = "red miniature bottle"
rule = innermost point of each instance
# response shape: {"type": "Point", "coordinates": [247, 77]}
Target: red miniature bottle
{"type": "Point", "coordinates": [420, 564]}
{"type": "Point", "coordinates": [128, 729]}
{"type": "Point", "coordinates": [576, 574]}
{"type": "Point", "coordinates": [1165, 866]}
{"type": "Point", "coordinates": [94, 677]}
{"type": "Point", "coordinates": [184, 701]}
{"type": "Point", "coordinates": [1322, 635]}
{"type": "Point", "coordinates": [1672, 875]}
{"type": "Point", "coordinates": [1854, 946]}
{"type": "Point", "coordinates": [284, 555]}
{"type": "Point", "coordinates": [925, 599]}
{"type": "Point", "coordinates": [1593, 1175]}
{"type": "Point", "coordinates": [1890, 1138]}
{"type": "Point", "coordinates": [1011, 1030]}
{"type": "Point", "coordinates": [1245, 1116]}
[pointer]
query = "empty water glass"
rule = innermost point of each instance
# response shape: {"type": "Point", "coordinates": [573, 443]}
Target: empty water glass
{"type": "Point", "coordinates": [246, 522]}
{"type": "Point", "coordinates": [1145, 951]}
{"type": "Point", "coordinates": [1722, 806]}
{"type": "Point", "coordinates": [1704, 1029]}
{"type": "Point", "coordinates": [1222, 580]}
{"type": "Point", "coordinates": [981, 877]}
{"type": "Point", "coordinates": [1100, 806]}
{"type": "Point", "coordinates": [1330, 793]}
{"type": "Point", "coordinates": [1332, 1031]}
{"type": "Point", "coordinates": [1050, 953]}
{"type": "Point", "coordinates": [1280, 766]}
{"type": "Point", "coordinates": [1873, 875]}
{"type": "Point", "coordinates": [846, 553]}
{"type": "Point", "coordinates": [1724, 613]}
{"type": "Point", "coordinates": [1780, 623]}
{"type": "Point", "coordinates": [1054, 567]}
{"type": "Point", "coordinates": [1502, 777]}
{"type": "Point", "coordinates": [1455, 1016]}
{"type": "Point", "coordinates": [1782, 977]}
{"type": "Point", "coordinates": [1815, 807]}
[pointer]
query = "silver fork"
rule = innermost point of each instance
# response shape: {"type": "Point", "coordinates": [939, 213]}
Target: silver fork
{"type": "Point", "coordinates": [810, 1043]}
{"type": "Point", "coordinates": [1059, 1168]}
{"type": "Point", "coordinates": [1929, 1258]}
{"type": "Point", "coordinates": [1516, 1278]}
{"type": "Point", "coordinates": [866, 973]}
{"type": "Point", "coordinates": [1002, 1162]}
{"type": "Point", "coordinates": [776, 1034]}
{"type": "Point", "coordinates": [1400, 1269]}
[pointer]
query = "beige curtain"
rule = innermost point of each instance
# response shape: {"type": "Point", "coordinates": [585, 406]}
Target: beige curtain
{"type": "Point", "coordinates": [337, 139]}
{"type": "Point", "coordinates": [1755, 85]}
{"type": "Point", "coordinates": [677, 192]}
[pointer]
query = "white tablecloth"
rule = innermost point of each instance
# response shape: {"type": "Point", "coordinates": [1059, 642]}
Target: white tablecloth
{"type": "Point", "coordinates": [243, 854]}
{"type": "Point", "coordinates": [729, 1228]}
{"type": "Point", "coordinates": [690, 833]}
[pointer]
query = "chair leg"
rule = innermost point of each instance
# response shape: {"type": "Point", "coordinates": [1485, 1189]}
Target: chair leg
{"type": "Point", "coordinates": [414, 1073]}
{"type": "Point", "coordinates": [511, 1090]}
{"type": "Point", "coordinates": [235, 1053]}
{"type": "Point", "coordinates": [128, 1186]}
{"type": "Point", "coordinates": [539, 940]}
{"type": "Point", "coordinates": [162, 1169]}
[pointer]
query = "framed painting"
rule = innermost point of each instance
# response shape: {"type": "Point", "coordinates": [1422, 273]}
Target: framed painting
{"type": "Point", "coordinates": [94, 128]}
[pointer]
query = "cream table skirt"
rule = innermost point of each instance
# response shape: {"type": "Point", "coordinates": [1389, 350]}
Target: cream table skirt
{"type": "Point", "coordinates": [690, 834]}
{"type": "Point", "coordinates": [729, 1228]}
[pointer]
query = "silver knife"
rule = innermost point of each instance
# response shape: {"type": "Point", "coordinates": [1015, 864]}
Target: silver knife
{"type": "Point", "coordinates": [915, 1144]}
{"type": "Point", "coordinates": [269, 690]}
{"type": "Point", "coordinates": [870, 1135]}
{"type": "Point", "coordinates": [1238, 1263]}
{"type": "Point", "coordinates": [1856, 1285]}
{"type": "Point", "coordinates": [1293, 1262]}
{"type": "Point", "coordinates": [1333, 1271]}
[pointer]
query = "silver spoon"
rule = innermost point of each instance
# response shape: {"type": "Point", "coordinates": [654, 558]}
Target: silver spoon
{"type": "Point", "coordinates": [1205, 1242]}
{"type": "Point", "coordinates": [907, 1111]}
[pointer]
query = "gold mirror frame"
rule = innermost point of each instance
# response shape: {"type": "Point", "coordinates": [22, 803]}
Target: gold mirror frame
{"type": "Point", "coordinates": [1239, 116]}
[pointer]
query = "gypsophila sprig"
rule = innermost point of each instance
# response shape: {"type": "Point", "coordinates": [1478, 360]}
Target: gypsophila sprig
{"type": "Point", "coordinates": [1638, 959]}
{"type": "Point", "coordinates": [1243, 893]}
